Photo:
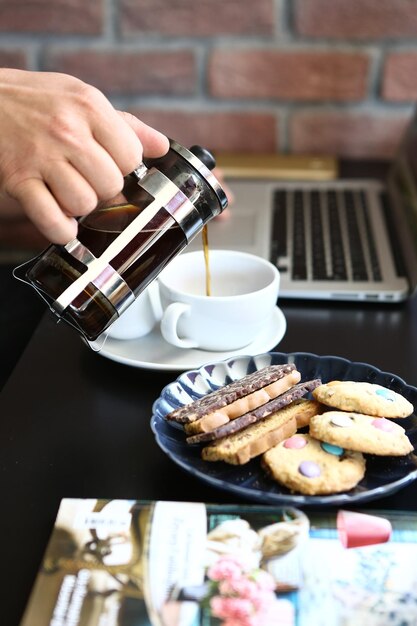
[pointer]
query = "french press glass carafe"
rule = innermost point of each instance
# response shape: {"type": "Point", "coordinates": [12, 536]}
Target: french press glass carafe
{"type": "Point", "coordinates": [124, 244]}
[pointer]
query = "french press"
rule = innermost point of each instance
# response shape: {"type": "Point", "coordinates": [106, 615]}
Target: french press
{"type": "Point", "coordinates": [124, 244]}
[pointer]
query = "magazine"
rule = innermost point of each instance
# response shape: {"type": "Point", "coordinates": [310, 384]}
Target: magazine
{"type": "Point", "coordinates": [137, 563]}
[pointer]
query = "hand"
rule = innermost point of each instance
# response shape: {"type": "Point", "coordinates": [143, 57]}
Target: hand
{"type": "Point", "coordinates": [63, 147]}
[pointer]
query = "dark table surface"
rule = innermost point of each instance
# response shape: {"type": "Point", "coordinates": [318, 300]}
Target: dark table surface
{"type": "Point", "coordinates": [75, 424]}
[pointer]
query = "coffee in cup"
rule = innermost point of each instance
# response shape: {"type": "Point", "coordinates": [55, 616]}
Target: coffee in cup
{"type": "Point", "coordinates": [244, 293]}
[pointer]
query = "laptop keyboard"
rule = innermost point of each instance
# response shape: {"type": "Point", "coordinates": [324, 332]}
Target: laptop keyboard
{"type": "Point", "coordinates": [324, 235]}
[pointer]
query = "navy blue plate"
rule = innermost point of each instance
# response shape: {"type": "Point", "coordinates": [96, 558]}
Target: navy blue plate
{"type": "Point", "coordinates": [384, 475]}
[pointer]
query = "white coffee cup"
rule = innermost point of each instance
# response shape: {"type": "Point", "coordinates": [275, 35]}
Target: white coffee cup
{"type": "Point", "coordinates": [140, 318]}
{"type": "Point", "coordinates": [244, 292]}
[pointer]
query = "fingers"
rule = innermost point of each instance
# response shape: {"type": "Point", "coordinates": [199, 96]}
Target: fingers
{"type": "Point", "coordinates": [71, 148]}
{"type": "Point", "coordinates": [44, 211]}
{"type": "Point", "coordinates": [99, 169]}
{"type": "Point", "coordinates": [72, 192]}
{"type": "Point", "coordinates": [126, 139]}
{"type": "Point", "coordinates": [154, 143]}
{"type": "Point", "coordinates": [70, 188]}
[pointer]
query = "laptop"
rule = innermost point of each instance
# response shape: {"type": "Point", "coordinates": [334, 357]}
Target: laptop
{"type": "Point", "coordinates": [331, 238]}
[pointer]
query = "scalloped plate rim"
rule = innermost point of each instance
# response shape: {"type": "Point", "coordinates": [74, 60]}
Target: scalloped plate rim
{"type": "Point", "coordinates": [274, 498]}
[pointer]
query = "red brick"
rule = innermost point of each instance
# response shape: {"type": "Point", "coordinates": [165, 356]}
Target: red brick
{"type": "Point", "coordinates": [196, 19]}
{"type": "Point", "coordinates": [356, 19]}
{"type": "Point", "coordinates": [299, 75]}
{"type": "Point", "coordinates": [13, 58]}
{"type": "Point", "coordinates": [81, 17]}
{"type": "Point", "coordinates": [399, 77]}
{"type": "Point", "coordinates": [346, 134]}
{"type": "Point", "coordinates": [219, 131]}
{"type": "Point", "coordinates": [147, 72]}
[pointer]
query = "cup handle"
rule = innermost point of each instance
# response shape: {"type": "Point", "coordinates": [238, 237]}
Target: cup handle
{"type": "Point", "coordinates": [169, 324]}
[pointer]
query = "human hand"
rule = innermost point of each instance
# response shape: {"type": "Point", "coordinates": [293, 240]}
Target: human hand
{"type": "Point", "coordinates": [63, 147]}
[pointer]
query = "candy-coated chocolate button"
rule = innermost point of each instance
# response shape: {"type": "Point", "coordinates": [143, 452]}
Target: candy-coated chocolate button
{"type": "Point", "coordinates": [309, 469]}
{"type": "Point", "coordinates": [341, 420]}
{"type": "Point", "coordinates": [385, 393]}
{"type": "Point", "coordinates": [331, 449]}
{"type": "Point", "coordinates": [383, 424]}
{"type": "Point", "coordinates": [296, 442]}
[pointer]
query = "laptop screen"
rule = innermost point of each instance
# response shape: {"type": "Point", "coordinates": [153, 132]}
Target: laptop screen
{"type": "Point", "coordinates": [403, 188]}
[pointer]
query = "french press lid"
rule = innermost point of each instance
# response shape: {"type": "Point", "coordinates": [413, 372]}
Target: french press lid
{"type": "Point", "coordinates": [190, 171]}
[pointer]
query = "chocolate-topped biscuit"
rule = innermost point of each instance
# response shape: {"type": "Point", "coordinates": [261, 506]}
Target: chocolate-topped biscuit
{"type": "Point", "coordinates": [296, 392]}
{"type": "Point", "coordinates": [239, 407]}
{"type": "Point", "coordinates": [229, 393]}
{"type": "Point", "coordinates": [257, 438]}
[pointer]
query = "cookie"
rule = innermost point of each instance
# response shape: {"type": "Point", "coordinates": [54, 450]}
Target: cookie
{"type": "Point", "coordinates": [363, 433]}
{"type": "Point", "coordinates": [361, 397]}
{"type": "Point", "coordinates": [229, 393]}
{"type": "Point", "coordinates": [239, 407]}
{"type": "Point", "coordinates": [306, 465]}
{"type": "Point", "coordinates": [236, 425]}
{"type": "Point", "coordinates": [257, 438]}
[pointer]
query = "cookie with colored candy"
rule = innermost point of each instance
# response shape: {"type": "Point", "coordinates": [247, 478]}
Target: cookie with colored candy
{"type": "Point", "coordinates": [363, 397]}
{"type": "Point", "coordinates": [306, 465]}
{"type": "Point", "coordinates": [363, 433]}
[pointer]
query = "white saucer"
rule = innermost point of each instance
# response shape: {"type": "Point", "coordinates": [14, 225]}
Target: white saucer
{"type": "Point", "coordinates": [153, 352]}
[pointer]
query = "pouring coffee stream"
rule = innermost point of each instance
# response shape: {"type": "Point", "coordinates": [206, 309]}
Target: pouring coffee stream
{"type": "Point", "coordinates": [123, 245]}
{"type": "Point", "coordinates": [206, 251]}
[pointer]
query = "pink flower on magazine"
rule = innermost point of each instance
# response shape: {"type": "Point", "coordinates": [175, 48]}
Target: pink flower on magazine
{"type": "Point", "coordinates": [225, 568]}
{"type": "Point", "coordinates": [250, 621]}
{"type": "Point", "coordinates": [241, 598]}
{"type": "Point", "coordinates": [248, 589]}
{"type": "Point", "coordinates": [244, 587]}
{"type": "Point", "coordinates": [263, 600]}
{"type": "Point", "coordinates": [231, 608]}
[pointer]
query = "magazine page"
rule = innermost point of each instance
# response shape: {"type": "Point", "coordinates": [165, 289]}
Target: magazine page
{"type": "Point", "coordinates": [134, 563]}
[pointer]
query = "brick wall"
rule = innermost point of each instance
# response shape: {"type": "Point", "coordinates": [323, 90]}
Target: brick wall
{"type": "Point", "coordinates": [332, 76]}
{"type": "Point", "coordinates": [335, 76]}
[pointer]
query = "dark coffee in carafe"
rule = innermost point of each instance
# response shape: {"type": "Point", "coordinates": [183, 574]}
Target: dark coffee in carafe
{"type": "Point", "coordinates": [124, 244]}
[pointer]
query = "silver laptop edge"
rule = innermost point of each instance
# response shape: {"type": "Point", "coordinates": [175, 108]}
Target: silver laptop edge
{"type": "Point", "coordinates": [247, 225]}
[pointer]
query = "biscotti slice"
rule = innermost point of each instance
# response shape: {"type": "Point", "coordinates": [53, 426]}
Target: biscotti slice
{"type": "Point", "coordinates": [229, 393]}
{"type": "Point", "coordinates": [241, 406]}
{"type": "Point", "coordinates": [256, 439]}
{"type": "Point", "coordinates": [296, 392]}
{"type": "Point", "coordinates": [303, 417]}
